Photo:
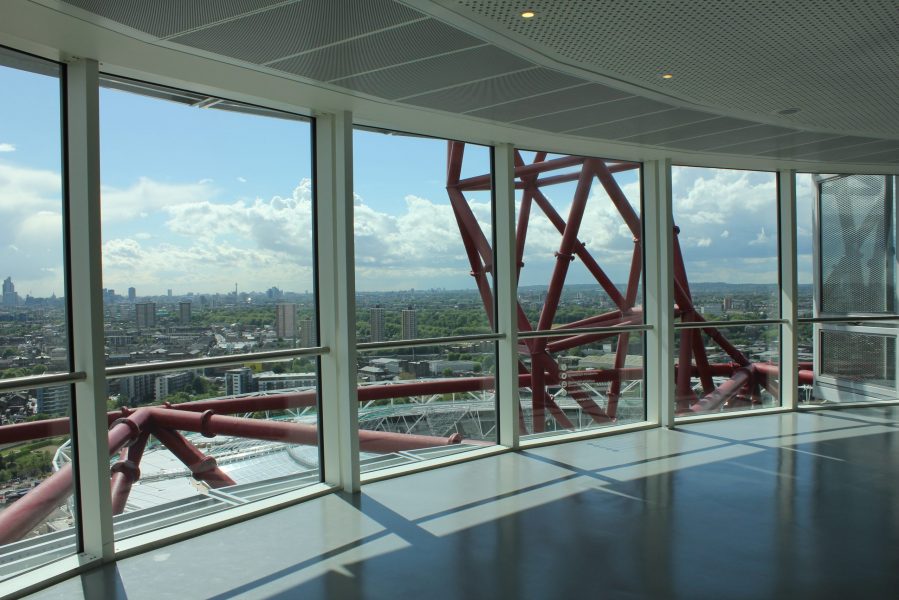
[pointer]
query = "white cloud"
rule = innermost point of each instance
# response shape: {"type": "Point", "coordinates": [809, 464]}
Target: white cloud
{"type": "Point", "coordinates": [242, 179]}
{"type": "Point", "coordinates": [6, 147]}
{"type": "Point", "coordinates": [30, 210]}
{"type": "Point", "coordinates": [737, 206]}
{"type": "Point", "coordinates": [148, 196]}
{"type": "Point", "coordinates": [760, 238]}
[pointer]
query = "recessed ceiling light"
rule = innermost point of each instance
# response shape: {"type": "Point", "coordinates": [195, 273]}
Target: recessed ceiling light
{"type": "Point", "coordinates": [667, 75]}
{"type": "Point", "coordinates": [528, 14]}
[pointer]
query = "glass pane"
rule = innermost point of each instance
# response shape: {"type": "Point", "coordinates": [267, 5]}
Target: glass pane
{"type": "Point", "coordinates": [33, 329]}
{"type": "Point", "coordinates": [207, 228]}
{"type": "Point", "coordinates": [260, 440]}
{"type": "Point", "coordinates": [208, 251]}
{"type": "Point", "coordinates": [592, 275]}
{"type": "Point", "coordinates": [856, 241]}
{"type": "Point", "coordinates": [726, 250]}
{"type": "Point", "coordinates": [582, 382]}
{"type": "Point", "coordinates": [731, 369]}
{"type": "Point", "coordinates": [37, 511]}
{"type": "Point", "coordinates": [37, 506]}
{"type": "Point", "coordinates": [425, 402]}
{"type": "Point", "coordinates": [423, 240]}
{"type": "Point", "coordinates": [857, 363]}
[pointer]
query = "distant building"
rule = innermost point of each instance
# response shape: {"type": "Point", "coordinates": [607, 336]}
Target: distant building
{"type": "Point", "coordinates": [238, 381]}
{"type": "Point", "coordinates": [10, 297]}
{"type": "Point", "coordinates": [376, 323]}
{"type": "Point", "coordinates": [388, 365]}
{"type": "Point", "coordinates": [184, 312]}
{"type": "Point", "coordinates": [168, 384]}
{"type": "Point", "coordinates": [307, 334]}
{"type": "Point", "coordinates": [170, 292]}
{"type": "Point", "coordinates": [410, 325]}
{"type": "Point", "coordinates": [711, 309]}
{"type": "Point", "coordinates": [132, 294]}
{"type": "Point", "coordinates": [138, 389]}
{"type": "Point", "coordinates": [53, 401]}
{"type": "Point", "coordinates": [438, 367]}
{"type": "Point", "coordinates": [145, 315]}
{"type": "Point", "coordinates": [286, 326]}
{"type": "Point", "coordinates": [269, 381]}
{"type": "Point", "coordinates": [419, 368]}
{"type": "Point", "coordinates": [370, 373]}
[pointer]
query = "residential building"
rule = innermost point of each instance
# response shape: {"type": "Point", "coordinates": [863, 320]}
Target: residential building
{"type": "Point", "coordinates": [376, 323]}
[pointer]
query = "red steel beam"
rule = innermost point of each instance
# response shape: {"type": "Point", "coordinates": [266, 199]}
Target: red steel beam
{"type": "Point", "coordinates": [627, 212]}
{"type": "Point", "coordinates": [575, 341]}
{"type": "Point", "coordinates": [202, 467]}
{"type": "Point", "coordinates": [126, 472]}
{"type": "Point", "coordinates": [29, 511]}
{"type": "Point", "coordinates": [724, 392]}
{"type": "Point", "coordinates": [565, 254]}
{"type": "Point", "coordinates": [524, 170]}
{"type": "Point", "coordinates": [581, 251]}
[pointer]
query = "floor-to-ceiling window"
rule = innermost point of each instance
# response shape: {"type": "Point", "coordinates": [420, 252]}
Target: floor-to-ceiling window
{"type": "Point", "coordinates": [425, 316]}
{"type": "Point", "coordinates": [579, 251]}
{"type": "Point", "coordinates": [846, 231]}
{"type": "Point", "coordinates": [209, 301]}
{"type": "Point", "coordinates": [37, 524]}
{"type": "Point", "coordinates": [726, 290]}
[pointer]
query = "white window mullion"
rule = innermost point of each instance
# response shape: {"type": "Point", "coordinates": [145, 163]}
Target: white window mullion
{"type": "Point", "coordinates": [789, 379]}
{"type": "Point", "coordinates": [658, 234]}
{"type": "Point", "coordinates": [83, 170]}
{"type": "Point", "coordinates": [506, 295]}
{"type": "Point", "coordinates": [337, 306]}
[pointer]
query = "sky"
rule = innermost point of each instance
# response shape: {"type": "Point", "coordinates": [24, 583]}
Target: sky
{"type": "Point", "coordinates": [197, 200]}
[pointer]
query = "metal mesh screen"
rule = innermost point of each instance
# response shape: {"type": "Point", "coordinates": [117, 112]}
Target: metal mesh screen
{"type": "Point", "coordinates": [859, 357]}
{"type": "Point", "coordinates": [855, 245]}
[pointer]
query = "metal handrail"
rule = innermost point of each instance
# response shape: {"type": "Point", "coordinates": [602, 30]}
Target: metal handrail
{"type": "Point", "coordinates": [439, 341]}
{"type": "Point", "coordinates": [35, 381]}
{"type": "Point", "coordinates": [213, 361]}
{"type": "Point", "coordinates": [726, 324]}
{"type": "Point", "coordinates": [541, 333]}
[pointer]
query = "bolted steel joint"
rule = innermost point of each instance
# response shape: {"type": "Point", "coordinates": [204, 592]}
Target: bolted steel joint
{"type": "Point", "coordinates": [128, 468]}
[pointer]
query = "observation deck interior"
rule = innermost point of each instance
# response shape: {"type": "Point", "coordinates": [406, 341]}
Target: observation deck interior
{"type": "Point", "coordinates": [449, 298]}
{"type": "Point", "coordinates": [581, 519]}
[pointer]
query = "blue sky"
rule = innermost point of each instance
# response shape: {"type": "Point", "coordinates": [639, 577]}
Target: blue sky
{"type": "Point", "coordinates": [198, 199]}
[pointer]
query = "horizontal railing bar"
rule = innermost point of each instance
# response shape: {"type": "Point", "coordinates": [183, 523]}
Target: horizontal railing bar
{"type": "Point", "coordinates": [214, 361]}
{"type": "Point", "coordinates": [859, 319]}
{"type": "Point", "coordinates": [542, 333]}
{"type": "Point", "coordinates": [726, 324]}
{"type": "Point", "coordinates": [35, 381]}
{"type": "Point", "coordinates": [441, 341]}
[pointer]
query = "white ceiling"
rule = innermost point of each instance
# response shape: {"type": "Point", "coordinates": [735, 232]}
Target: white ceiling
{"type": "Point", "coordinates": [586, 68]}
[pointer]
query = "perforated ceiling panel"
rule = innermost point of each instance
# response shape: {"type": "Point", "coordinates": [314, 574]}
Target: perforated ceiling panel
{"type": "Point", "coordinates": [163, 18]}
{"type": "Point", "coordinates": [434, 73]}
{"type": "Point", "coordinates": [398, 45]}
{"type": "Point", "coordinates": [733, 61]}
{"type": "Point", "coordinates": [483, 93]}
{"type": "Point", "coordinates": [297, 27]}
{"type": "Point", "coordinates": [836, 60]}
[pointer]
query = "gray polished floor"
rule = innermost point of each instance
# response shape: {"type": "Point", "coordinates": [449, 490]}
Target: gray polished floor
{"type": "Point", "coordinates": [781, 506]}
